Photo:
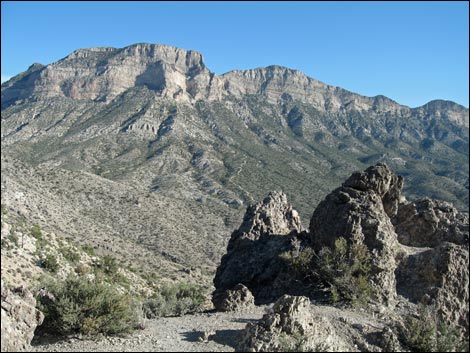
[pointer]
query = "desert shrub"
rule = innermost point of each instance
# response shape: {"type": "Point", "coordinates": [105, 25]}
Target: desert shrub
{"type": "Point", "coordinates": [426, 333]}
{"type": "Point", "coordinates": [49, 262]}
{"type": "Point", "coordinates": [109, 265]}
{"type": "Point", "coordinates": [299, 262]}
{"type": "Point", "coordinates": [10, 242]}
{"type": "Point", "coordinates": [174, 300]}
{"type": "Point", "coordinates": [82, 269]}
{"type": "Point", "coordinates": [89, 307]}
{"type": "Point", "coordinates": [36, 231]}
{"type": "Point", "coordinates": [345, 270]}
{"type": "Point", "coordinates": [69, 254]}
{"type": "Point", "coordinates": [89, 250]}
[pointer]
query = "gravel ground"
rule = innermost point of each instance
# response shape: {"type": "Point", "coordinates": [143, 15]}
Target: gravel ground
{"type": "Point", "coordinates": [173, 334]}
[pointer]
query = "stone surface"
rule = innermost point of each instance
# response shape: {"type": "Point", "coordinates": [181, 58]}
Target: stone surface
{"type": "Point", "coordinates": [19, 318]}
{"type": "Point", "coordinates": [360, 211]}
{"type": "Point", "coordinates": [235, 299]}
{"type": "Point", "coordinates": [438, 277]}
{"type": "Point", "coordinates": [427, 223]}
{"type": "Point", "coordinates": [268, 229]}
{"type": "Point", "coordinates": [291, 317]}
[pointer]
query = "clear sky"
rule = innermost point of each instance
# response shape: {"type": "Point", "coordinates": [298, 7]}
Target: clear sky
{"type": "Point", "coordinates": [411, 52]}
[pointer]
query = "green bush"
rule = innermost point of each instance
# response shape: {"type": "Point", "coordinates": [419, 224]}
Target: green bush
{"type": "Point", "coordinates": [109, 265]}
{"type": "Point", "coordinates": [426, 333]}
{"type": "Point", "coordinates": [49, 262]}
{"type": "Point", "coordinates": [89, 307]}
{"type": "Point", "coordinates": [89, 250]}
{"type": "Point", "coordinates": [70, 255]}
{"type": "Point", "coordinates": [36, 231]}
{"type": "Point", "coordinates": [345, 270]}
{"type": "Point", "coordinates": [174, 300]}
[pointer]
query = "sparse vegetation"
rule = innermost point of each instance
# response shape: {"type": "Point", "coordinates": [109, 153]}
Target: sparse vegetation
{"type": "Point", "coordinates": [69, 254]}
{"type": "Point", "coordinates": [89, 250]}
{"type": "Point", "coordinates": [36, 231]}
{"type": "Point", "coordinates": [89, 307]}
{"type": "Point", "coordinates": [174, 300]}
{"type": "Point", "coordinates": [344, 269]}
{"type": "Point", "coordinates": [49, 262]}
{"type": "Point", "coordinates": [426, 333]}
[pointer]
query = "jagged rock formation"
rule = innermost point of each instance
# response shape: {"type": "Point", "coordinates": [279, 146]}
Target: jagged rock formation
{"type": "Point", "coordinates": [438, 277]}
{"type": "Point", "coordinates": [290, 316]}
{"type": "Point", "coordinates": [19, 319]}
{"type": "Point", "coordinates": [235, 299]}
{"type": "Point", "coordinates": [268, 228]}
{"type": "Point", "coordinates": [429, 222]}
{"type": "Point", "coordinates": [294, 324]}
{"type": "Point", "coordinates": [361, 211]}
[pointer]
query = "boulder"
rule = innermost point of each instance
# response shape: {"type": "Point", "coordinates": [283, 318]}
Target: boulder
{"type": "Point", "coordinates": [19, 319]}
{"type": "Point", "coordinates": [438, 277]}
{"type": "Point", "coordinates": [291, 325]}
{"type": "Point", "coordinates": [360, 212]}
{"type": "Point", "coordinates": [235, 299]}
{"type": "Point", "coordinates": [429, 222]}
{"type": "Point", "coordinates": [269, 228]}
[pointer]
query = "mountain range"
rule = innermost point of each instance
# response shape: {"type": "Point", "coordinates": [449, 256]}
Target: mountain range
{"type": "Point", "coordinates": [144, 153]}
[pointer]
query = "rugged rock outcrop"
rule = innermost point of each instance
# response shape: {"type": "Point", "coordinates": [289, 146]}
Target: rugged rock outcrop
{"type": "Point", "coordinates": [429, 222]}
{"type": "Point", "coordinates": [438, 277]}
{"type": "Point", "coordinates": [235, 299]}
{"type": "Point", "coordinates": [269, 228]}
{"type": "Point", "coordinates": [360, 211]}
{"type": "Point", "coordinates": [291, 317]}
{"type": "Point", "coordinates": [367, 210]}
{"type": "Point", "coordinates": [19, 318]}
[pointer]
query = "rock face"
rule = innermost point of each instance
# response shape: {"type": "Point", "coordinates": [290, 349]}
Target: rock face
{"type": "Point", "coordinates": [268, 229]}
{"type": "Point", "coordinates": [360, 211]}
{"type": "Point", "coordinates": [235, 299]}
{"type": "Point", "coordinates": [430, 222]}
{"type": "Point", "coordinates": [101, 74]}
{"type": "Point", "coordinates": [291, 316]}
{"type": "Point", "coordinates": [19, 319]}
{"type": "Point", "coordinates": [438, 277]}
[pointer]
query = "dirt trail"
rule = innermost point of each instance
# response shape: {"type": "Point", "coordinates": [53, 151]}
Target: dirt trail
{"type": "Point", "coordinates": [175, 334]}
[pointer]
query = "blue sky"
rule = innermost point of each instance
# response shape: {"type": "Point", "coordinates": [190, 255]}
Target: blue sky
{"type": "Point", "coordinates": [412, 52]}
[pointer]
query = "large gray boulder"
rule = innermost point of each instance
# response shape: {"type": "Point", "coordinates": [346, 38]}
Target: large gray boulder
{"type": "Point", "coordinates": [292, 324]}
{"type": "Point", "coordinates": [19, 319]}
{"type": "Point", "coordinates": [360, 212]}
{"type": "Point", "coordinates": [269, 228]}
{"type": "Point", "coordinates": [438, 277]}
{"type": "Point", "coordinates": [236, 299]}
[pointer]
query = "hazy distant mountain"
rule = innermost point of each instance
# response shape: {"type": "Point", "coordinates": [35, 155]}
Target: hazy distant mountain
{"type": "Point", "coordinates": [147, 153]}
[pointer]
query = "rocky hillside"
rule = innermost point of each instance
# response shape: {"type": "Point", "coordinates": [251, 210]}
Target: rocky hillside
{"type": "Point", "coordinates": [144, 153]}
{"type": "Point", "coordinates": [373, 273]}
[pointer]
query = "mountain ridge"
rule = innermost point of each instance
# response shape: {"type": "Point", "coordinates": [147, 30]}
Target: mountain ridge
{"type": "Point", "coordinates": [217, 85]}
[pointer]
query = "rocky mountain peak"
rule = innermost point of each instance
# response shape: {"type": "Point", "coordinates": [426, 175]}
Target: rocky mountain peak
{"type": "Point", "coordinates": [101, 74]}
{"type": "Point", "coordinates": [444, 109]}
